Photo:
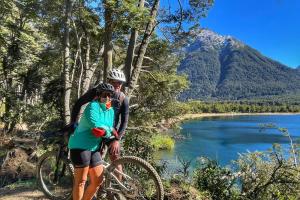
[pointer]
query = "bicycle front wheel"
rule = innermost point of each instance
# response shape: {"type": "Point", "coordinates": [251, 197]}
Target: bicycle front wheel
{"type": "Point", "coordinates": [138, 179]}
{"type": "Point", "coordinates": [55, 176]}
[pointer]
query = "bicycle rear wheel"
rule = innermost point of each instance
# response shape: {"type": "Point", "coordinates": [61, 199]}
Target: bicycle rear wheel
{"type": "Point", "coordinates": [55, 176]}
{"type": "Point", "coordinates": [139, 180]}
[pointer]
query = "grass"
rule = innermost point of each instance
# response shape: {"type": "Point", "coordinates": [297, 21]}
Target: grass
{"type": "Point", "coordinates": [162, 142]}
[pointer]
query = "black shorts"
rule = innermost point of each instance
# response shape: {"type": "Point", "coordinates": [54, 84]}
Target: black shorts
{"type": "Point", "coordinates": [84, 158]}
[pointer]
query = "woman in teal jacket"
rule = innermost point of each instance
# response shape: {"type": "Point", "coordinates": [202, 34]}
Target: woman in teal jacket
{"type": "Point", "coordinates": [96, 122]}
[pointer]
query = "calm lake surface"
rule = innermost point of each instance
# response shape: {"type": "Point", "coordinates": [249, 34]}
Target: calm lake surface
{"type": "Point", "coordinates": [222, 138]}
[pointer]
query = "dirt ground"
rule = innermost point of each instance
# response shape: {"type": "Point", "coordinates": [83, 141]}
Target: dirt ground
{"type": "Point", "coordinates": [21, 193]}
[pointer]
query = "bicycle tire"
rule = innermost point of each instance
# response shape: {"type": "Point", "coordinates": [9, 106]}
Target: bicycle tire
{"type": "Point", "coordinates": [135, 161]}
{"type": "Point", "coordinates": [44, 183]}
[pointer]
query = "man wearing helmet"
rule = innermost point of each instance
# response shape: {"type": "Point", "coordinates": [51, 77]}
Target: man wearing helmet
{"type": "Point", "coordinates": [120, 104]}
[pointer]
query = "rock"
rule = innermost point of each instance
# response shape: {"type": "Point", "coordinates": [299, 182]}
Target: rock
{"type": "Point", "coordinates": [16, 166]}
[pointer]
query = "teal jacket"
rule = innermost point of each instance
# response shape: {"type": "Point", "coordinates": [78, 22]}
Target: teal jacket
{"type": "Point", "coordinates": [95, 115]}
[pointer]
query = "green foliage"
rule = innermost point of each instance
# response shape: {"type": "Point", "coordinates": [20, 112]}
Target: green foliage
{"type": "Point", "coordinates": [240, 106]}
{"type": "Point", "coordinates": [32, 54]}
{"type": "Point", "coordinates": [218, 181]}
{"type": "Point", "coordinates": [23, 183]}
{"type": "Point", "coordinates": [268, 175]}
{"type": "Point", "coordinates": [126, 14]}
{"type": "Point", "coordinates": [156, 96]}
{"type": "Point", "coordinates": [178, 188]}
{"type": "Point", "coordinates": [22, 42]}
{"type": "Point", "coordinates": [39, 116]}
{"type": "Point", "coordinates": [162, 142]}
{"type": "Point", "coordinates": [176, 109]}
{"type": "Point", "coordinates": [138, 143]}
{"type": "Point", "coordinates": [53, 95]}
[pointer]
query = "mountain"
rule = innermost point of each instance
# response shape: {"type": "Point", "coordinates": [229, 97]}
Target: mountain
{"type": "Point", "coordinates": [224, 68]}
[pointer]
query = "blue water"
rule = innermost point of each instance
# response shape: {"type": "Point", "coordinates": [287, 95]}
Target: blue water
{"type": "Point", "coordinates": [222, 138]}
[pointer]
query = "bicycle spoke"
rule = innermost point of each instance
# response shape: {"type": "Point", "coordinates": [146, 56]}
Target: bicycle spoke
{"type": "Point", "coordinates": [138, 178]}
{"type": "Point", "coordinates": [56, 178]}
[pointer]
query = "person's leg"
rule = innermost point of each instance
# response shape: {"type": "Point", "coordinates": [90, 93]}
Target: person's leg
{"type": "Point", "coordinates": [114, 153]}
{"type": "Point", "coordinates": [96, 178]}
{"type": "Point", "coordinates": [80, 177]}
{"type": "Point", "coordinates": [81, 160]}
{"type": "Point", "coordinates": [95, 174]}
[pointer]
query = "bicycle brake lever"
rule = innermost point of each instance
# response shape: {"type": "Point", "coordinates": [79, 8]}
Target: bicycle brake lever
{"type": "Point", "coordinates": [111, 137]}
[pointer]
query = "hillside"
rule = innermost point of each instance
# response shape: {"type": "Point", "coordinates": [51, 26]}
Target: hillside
{"type": "Point", "coordinates": [221, 67]}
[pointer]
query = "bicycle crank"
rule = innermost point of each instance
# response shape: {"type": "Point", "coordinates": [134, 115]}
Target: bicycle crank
{"type": "Point", "coordinates": [133, 190]}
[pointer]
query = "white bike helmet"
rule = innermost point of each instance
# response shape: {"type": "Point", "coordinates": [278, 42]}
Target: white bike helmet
{"type": "Point", "coordinates": [116, 74]}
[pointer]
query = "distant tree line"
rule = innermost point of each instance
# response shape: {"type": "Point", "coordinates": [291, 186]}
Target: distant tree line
{"type": "Point", "coordinates": [196, 107]}
{"type": "Point", "coordinates": [241, 106]}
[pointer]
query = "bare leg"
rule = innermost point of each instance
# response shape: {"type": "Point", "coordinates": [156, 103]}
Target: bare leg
{"type": "Point", "coordinates": [79, 182]}
{"type": "Point", "coordinates": [114, 153]}
{"type": "Point", "coordinates": [96, 177]}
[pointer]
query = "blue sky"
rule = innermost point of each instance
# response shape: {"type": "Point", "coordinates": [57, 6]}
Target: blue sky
{"type": "Point", "coordinates": [270, 26]}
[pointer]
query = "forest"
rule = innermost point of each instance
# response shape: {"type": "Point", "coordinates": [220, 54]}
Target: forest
{"type": "Point", "coordinates": [54, 51]}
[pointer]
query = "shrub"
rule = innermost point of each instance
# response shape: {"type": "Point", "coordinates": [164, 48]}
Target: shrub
{"type": "Point", "coordinates": [218, 181]}
{"type": "Point", "coordinates": [268, 175]}
{"type": "Point", "coordinates": [162, 142]}
{"type": "Point", "coordinates": [138, 143]}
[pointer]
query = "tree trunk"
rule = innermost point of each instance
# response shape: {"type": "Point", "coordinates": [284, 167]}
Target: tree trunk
{"type": "Point", "coordinates": [66, 71]}
{"type": "Point", "coordinates": [131, 49]}
{"type": "Point", "coordinates": [80, 76]}
{"type": "Point", "coordinates": [8, 108]}
{"type": "Point", "coordinates": [78, 56]}
{"type": "Point", "coordinates": [142, 49]}
{"type": "Point", "coordinates": [88, 74]}
{"type": "Point", "coordinates": [6, 101]}
{"type": "Point", "coordinates": [108, 45]}
{"type": "Point", "coordinates": [130, 54]}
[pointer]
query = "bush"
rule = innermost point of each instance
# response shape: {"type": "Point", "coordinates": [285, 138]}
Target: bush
{"type": "Point", "coordinates": [138, 143]}
{"type": "Point", "coordinates": [39, 116]}
{"type": "Point", "coordinates": [218, 181]}
{"type": "Point", "coordinates": [162, 142]}
{"type": "Point", "coordinates": [268, 175]}
{"type": "Point", "coordinates": [177, 189]}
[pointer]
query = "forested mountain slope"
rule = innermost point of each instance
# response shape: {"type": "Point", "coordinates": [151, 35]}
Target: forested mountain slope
{"type": "Point", "coordinates": [221, 67]}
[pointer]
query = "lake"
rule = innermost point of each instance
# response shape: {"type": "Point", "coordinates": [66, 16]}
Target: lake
{"type": "Point", "coordinates": [222, 138]}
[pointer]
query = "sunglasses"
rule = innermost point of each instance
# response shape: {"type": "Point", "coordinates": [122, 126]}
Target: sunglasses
{"type": "Point", "coordinates": [115, 82]}
{"type": "Point", "coordinates": [105, 95]}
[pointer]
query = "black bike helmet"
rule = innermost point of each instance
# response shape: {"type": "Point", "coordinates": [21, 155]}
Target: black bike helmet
{"type": "Point", "coordinates": [104, 87]}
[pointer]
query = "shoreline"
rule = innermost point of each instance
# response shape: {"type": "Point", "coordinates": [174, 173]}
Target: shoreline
{"type": "Point", "coordinates": [168, 124]}
{"type": "Point", "coordinates": [200, 115]}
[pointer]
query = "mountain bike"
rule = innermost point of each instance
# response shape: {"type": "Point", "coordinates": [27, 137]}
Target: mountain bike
{"type": "Point", "coordinates": [138, 179]}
